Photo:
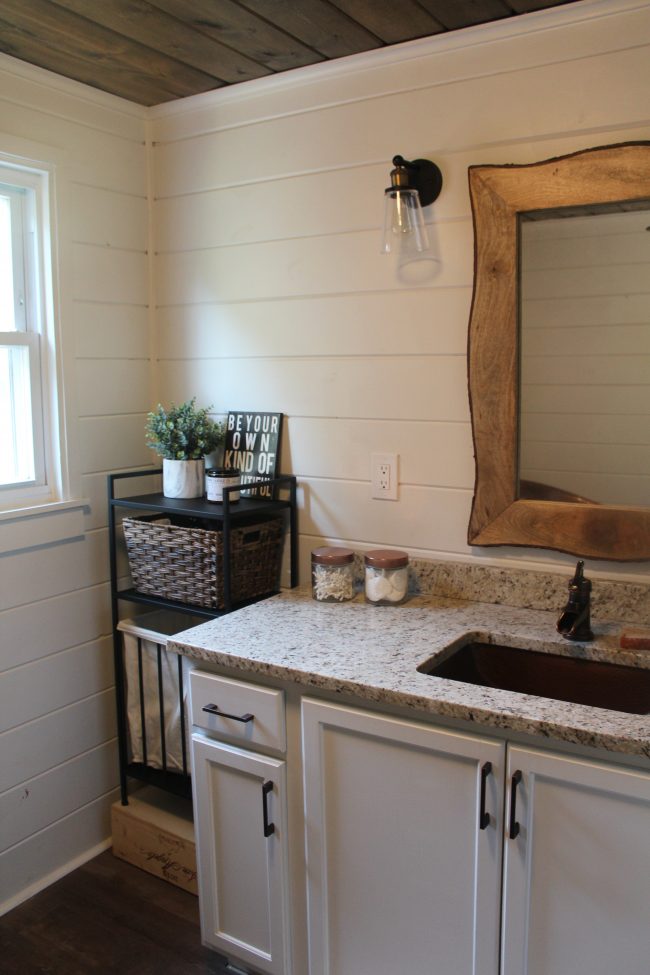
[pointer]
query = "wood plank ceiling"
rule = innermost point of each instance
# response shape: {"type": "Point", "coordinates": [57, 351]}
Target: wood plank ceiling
{"type": "Point", "coordinates": [154, 51]}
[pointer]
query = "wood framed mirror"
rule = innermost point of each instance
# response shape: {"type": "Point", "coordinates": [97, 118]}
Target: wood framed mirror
{"type": "Point", "coordinates": [504, 511]}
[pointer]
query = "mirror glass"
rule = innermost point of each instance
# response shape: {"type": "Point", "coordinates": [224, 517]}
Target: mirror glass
{"type": "Point", "coordinates": [584, 389]}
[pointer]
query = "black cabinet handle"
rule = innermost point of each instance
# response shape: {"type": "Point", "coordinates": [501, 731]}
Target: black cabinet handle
{"type": "Point", "coordinates": [483, 816]}
{"type": "Point", "coordinates": [268, 827]}
{"type": "Point", "coordinates": [214, 709]}
{"type": "Point", "coordinates": [514, 825]}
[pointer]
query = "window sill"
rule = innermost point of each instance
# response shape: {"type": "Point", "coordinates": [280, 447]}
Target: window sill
{"type": "Point", "coordinates": [40, 525]}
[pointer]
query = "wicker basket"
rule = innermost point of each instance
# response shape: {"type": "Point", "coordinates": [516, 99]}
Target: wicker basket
{"type": "Point", "coordinates": [186, 564]}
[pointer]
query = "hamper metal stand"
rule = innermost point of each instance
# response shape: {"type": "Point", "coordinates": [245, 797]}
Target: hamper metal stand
{"type": "Point", "coordinates": [224, 515]}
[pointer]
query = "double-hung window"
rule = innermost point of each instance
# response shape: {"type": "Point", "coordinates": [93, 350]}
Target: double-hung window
{"type": "Point", "coordinates": [27, 462]}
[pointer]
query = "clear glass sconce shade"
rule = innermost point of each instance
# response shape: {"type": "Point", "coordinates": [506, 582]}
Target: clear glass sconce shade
{"type": "Point", "coordinates": [404, 228]}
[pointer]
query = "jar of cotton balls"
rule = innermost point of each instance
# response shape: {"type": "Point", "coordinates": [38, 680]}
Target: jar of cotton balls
{"type": "Point", "coordinates": [332, 574]}
{"type": "Point", "coordinates": [386, 577]}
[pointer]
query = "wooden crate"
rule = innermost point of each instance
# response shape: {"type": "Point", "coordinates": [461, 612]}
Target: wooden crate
{"type": "Point", "coordinates": [156, 833]}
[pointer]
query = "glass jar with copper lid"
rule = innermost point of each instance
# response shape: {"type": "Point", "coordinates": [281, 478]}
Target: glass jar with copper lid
{"type": "Point", "coordinates": [386, 576]}
{"type": "Point", "coordinates": [332, 574]}
{"type": "Point", "coordinates": [218, 478]}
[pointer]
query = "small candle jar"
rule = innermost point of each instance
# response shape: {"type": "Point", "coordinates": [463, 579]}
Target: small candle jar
{"type": "Point", "coordinates": [332, 574]}
{"type": "Point", "coordinates": [218, 478]}
{"type": "Point", "coordinates": [386, 577]}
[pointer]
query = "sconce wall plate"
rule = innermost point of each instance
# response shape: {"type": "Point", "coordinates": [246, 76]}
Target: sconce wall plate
{"type": "Point", "coordinates": [423, 176]}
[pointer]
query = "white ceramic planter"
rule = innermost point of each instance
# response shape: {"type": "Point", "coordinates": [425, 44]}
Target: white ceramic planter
{"type": "Point", "coordinates": [183, 478]}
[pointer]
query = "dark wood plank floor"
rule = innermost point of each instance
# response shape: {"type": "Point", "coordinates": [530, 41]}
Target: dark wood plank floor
{"type": "Point", "coordinates": [106, 917]}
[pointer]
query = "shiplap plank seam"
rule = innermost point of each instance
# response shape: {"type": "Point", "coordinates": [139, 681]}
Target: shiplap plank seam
{"type": "Point", "coordinates": [446, 155]}
{"type": "Point", "coordinates": [409, 90]}
{"type": "Point", "coordinates": [317, 295]}
{"type": "Point", "coordinates": [442, 156]}
{"type": "Point", "coordinates": [69, 592]}
{"type": "Point", "coordinates": [84, 184]}
{"type": "Point", "coordinates": [234, 245]}
{"type": "Point", "coordinates": [60, 819]}
{"type": "Point", "coordinates": [73, 648]}
{"type": "Point", "coordinates": [71, 120]}
{"type": "Point", "coordinates": [69, 707]}
{"type": "Point", "coordinates": [77, 123]}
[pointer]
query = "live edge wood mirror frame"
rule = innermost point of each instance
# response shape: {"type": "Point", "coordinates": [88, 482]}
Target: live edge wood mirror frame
{"type": "Point", "coordinates": [499, 194]}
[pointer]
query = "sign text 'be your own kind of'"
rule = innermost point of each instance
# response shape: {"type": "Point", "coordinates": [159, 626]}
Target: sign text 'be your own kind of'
{"type": "Point", "coordinates": [252, 443]}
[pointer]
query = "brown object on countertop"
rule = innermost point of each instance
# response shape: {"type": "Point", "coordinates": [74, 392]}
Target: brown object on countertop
{"type": "Point", "coordinates": [635, 638]}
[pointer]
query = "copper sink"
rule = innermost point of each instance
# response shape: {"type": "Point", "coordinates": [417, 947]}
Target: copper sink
{"type": "Point", "coordinates": [562, 678]}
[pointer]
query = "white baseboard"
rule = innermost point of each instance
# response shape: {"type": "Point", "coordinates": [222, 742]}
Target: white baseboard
{"type": "Point", "coordinates": [51, 878]}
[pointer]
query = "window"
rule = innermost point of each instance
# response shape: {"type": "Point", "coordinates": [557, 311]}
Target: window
{"type": "Point", "coordinates": [28, 472]}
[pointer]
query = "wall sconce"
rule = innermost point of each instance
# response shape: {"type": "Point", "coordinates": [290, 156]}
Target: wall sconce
{"type": "Point", "coordinates": [413, 185]}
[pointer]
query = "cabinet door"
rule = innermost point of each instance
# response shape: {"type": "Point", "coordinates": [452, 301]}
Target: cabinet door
{"type": "Point", "coordinates": [577, 874]}
{"type": "Point", "coordinates": [401, 876]}
{"type": "Point", "coordinates": [242, 872]}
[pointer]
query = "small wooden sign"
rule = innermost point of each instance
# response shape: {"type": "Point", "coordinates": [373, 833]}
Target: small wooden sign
{"type": "Point", "coordinates": [253, 444]}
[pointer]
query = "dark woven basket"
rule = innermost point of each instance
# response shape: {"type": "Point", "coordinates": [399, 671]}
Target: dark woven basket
{"type": "Point", "coordinates": [186, 564]}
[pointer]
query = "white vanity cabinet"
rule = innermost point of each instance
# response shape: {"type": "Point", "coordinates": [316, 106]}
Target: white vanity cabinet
{"type": "Point", "coordinates": [401, 876]}
{"type": "Point", "coordinates": [403, 845]}
{"type": "Point", "coordinates": [427, 850]}
{"type": "Point", "coordinates": [577, 869]}
{"type": "Point", "coordinates": [241, 821]}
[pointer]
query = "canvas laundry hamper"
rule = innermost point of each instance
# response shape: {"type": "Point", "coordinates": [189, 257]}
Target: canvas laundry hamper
{"type": "Point", "coordinates": [156, 688]}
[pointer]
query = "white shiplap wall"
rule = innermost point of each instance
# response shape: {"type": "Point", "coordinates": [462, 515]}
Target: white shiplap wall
{"type": "Point", "coordinates": [271, 292]}
{"type": "Point", "coordinates": [58, 761]}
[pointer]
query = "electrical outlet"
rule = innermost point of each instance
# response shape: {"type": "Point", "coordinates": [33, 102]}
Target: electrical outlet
{"type": "Point", "coordinates": [384, 476]}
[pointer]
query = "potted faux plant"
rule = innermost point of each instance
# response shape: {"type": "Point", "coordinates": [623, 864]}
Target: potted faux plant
{"type": "Point", "coordinates": [182, 436]}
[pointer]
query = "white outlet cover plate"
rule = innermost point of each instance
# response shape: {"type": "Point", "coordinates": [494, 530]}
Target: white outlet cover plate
{"type": "Point", "coordinates": [380, 465]}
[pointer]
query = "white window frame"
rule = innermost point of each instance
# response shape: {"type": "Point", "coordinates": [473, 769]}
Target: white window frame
{"type": "Point", "coordinates": [36, 323]}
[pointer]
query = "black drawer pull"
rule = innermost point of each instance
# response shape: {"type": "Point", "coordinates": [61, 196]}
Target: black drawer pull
{"type": "Point", "coordinates": [268, 827]}
{"type": "Point", "coordinates": [483, 816]}
{"type": "Point", "coordinates": [514, 825]}
{"type": "Point", "coordinates": [215, 709]}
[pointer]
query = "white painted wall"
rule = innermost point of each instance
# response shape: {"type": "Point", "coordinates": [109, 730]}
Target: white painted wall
{"type": "Point", "coordinates": [58, 761]}
{"type": "Point", "coordinates": [271, 291]}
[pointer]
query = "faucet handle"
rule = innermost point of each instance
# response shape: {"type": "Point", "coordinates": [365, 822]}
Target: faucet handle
{"type": "Point", "coordinates": [579, 575]}
{"type": "Point", "coordinates": [579, 586]}
{"type": "Point", "coordinates": [574, 621]}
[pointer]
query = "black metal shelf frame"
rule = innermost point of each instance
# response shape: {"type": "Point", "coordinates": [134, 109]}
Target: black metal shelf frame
{"type": "Point", "coordinates": [227, 514]}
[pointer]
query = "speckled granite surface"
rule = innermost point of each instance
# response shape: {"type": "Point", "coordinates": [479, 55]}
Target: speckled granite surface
{"type": "Point", "coordinates": [528, 589]}
{"type": "Point", "coordinates": [373, 652]}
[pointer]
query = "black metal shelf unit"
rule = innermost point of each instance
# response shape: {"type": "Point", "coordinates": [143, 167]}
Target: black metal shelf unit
{"type": "Point", "coordinates": [226, 516]}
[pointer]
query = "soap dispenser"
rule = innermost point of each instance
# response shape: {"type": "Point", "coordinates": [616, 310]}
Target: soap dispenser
{"type": "Point", "coordinates": [574, 622]}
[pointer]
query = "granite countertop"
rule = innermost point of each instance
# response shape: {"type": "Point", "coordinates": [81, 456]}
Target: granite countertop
{"type": "Point", "coordinates": [372, 652]}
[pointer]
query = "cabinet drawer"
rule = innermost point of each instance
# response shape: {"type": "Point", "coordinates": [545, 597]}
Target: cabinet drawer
{"type": "Point", "coordinates": [237, 710]}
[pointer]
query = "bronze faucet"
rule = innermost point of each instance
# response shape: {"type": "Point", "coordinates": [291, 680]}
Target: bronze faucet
{"type": "Point", "coordinates": [574, 622]}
